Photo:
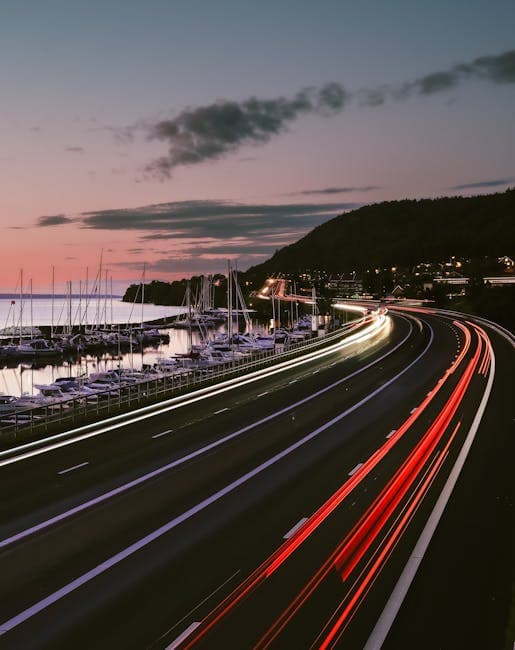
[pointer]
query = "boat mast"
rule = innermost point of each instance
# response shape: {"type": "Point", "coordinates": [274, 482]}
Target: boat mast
{"type": "Point", "coordinates": [279, 307]}
{"type": "Point", "coordinates": [53, 292]}
{"type": "Point", "coordinates": [236, 296]}
{"type": "Point", "coordinates": [143, 291]}
{"type": "Point", "coordinates": [69, 306]}
{"type": "Point", "coordinates": [273, 309]}
{"type": "Point", "coordinates": [188, 306]}
{"type": "Point", "coordinates": [86, 292]}
{"type": "Point", "coordinates": [98, 287]}
{"type": "Point", "coordinates": [105, 300]}
{"type": "Point", "coordinates": [31, 314]}
{"type": "Point", "coordinates": [80, 304]}
{"type": "Point", "coordinates": [296, 304]}
{"type": "Point", "coordinates": [229, 302]}
{"type": "Point", "coordinates": [21, 303]}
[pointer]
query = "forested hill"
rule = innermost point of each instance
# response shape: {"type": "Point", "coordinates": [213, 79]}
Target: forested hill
{"type": "Point", "coordinates": [403, 233]}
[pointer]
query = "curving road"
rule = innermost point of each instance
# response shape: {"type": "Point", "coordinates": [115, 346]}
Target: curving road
{"type": "Point", "coordinates": [282, 512]}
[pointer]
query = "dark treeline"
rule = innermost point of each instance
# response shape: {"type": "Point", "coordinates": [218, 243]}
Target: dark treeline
{"type": "Point", "coordinates": [172, 293]}
{"type": "Point", "coordinates": [402, 233]}
{"type": "Point", "coordinates": [495, 303]}
{"type": "Point", "coordinates": [393, 233]}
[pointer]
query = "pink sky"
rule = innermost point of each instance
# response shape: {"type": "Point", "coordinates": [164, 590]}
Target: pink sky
{"type": "Point", "coordinates": [75, 87]}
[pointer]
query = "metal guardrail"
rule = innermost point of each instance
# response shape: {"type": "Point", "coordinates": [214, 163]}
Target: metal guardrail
{"type": "Point", "coordinates": [130, 395]}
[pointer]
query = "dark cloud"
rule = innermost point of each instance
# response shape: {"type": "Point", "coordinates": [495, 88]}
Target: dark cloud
{"type": "Point", "coordinates": [53, 220]}
{"type": "Point", "coordinates": [213, 131]}
{"type": "Point", "coordinates": [219, 219]}
{"type": "Point", "coordinates": [75, 149]}
{"type": "Point", "coordinates": [435, 82]}
{"type": "Point", "coordinates": [171, 264]}
{"type": "Point", "coordinates": [337, 190]}
{"type": "Point", "coordinates": [191, 265]}
{"type": "Point", "coordinates": [496, 182]}
{"type": "Point", "coordinates": [211, 230]}
{"type": "Point", "coordinates": [373, 96]}
{"type": "Point", "coordinates": [498, 69]}
{"type": "Point", "coordinates": [229, 248]}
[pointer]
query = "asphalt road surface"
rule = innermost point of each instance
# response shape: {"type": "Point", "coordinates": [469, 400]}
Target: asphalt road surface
{"type": "Point", "coordinates": [361, 497]}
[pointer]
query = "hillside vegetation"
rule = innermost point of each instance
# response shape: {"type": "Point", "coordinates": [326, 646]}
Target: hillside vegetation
{"type": "Point", "coordinates": [403, 233]}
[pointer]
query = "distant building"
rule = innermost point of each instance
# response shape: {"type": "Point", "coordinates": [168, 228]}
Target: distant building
{"type": "Point", "coordinates": [507, 262]}
{"type": "Point", "coordinates": [398, 291]}
{"type": "Point", "coordinates": [502, 281]}
{"type": "Point", "coordinates": [344, 285]}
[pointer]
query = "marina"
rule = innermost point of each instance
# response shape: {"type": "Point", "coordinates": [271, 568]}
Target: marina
{"type": "Point", "coordinates": [110, 387]}
{"type": "Point", "coordinates": [89, 356]}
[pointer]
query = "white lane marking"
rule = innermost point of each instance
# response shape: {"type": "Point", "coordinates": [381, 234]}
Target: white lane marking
{"type": "Point", "coordinates": [202, 450]}
{"type": "Point", "coordinates": [315, 371]}
{"type": "Point", "coordinates": [182, 637]}
{"type": "Point", "coordinates": [293, 381]}
{"type": "Point", "coordinates": [213, 498]}
{"type": "Point", "coordinates": [163, 433]}
{"type": "Point", "coordinates": [198, 605]}
{"type": "Point", "coordinates": [72, 469]}
{"type": "Point", "coordinates": [221, 411]}
{"type": "Point", "coordinates": [263, 394]}
{"type": "Point", "coordinates": [178, 402]}
{"type": "Point", "coordinates": [483, 321]}
{"type": "Point", "coordinates": [355, 469]}
{"type": "Point", "coordinates": [293, 530]}
{"type": "Point", "coordinates": [391, 433]}
{"type": "Point", "coordinates": [389, 613]}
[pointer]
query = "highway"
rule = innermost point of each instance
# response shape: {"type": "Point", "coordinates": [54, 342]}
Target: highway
{"type": "Point", "coordinates": [282, 512]}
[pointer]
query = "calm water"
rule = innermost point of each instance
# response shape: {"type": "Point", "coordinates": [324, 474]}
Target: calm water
{"type": "Point", "coordinates": [22, 378]}
{"type": "Point", "coordinates": [39, 312]}
{"type": "Point", "coordinates": [18, 378]}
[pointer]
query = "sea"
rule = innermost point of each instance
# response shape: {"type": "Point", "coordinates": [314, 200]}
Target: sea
{"type": "Point", "coordinates": [43, 310]}
{"type": "Point", "coordinates": [18, 378]}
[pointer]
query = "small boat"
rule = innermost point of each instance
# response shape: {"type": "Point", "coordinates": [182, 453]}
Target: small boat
{"type": "Point", "coordinates": [38, 348]}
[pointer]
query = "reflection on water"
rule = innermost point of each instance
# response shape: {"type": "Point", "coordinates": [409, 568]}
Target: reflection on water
{"type": "Point", "coordinates": [61, 312]}
{"type": "Point", "coordinates": [22, 378]}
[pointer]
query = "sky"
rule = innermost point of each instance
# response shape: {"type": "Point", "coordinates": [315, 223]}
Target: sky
{"type": "Point", "coordinates": [178, 134]}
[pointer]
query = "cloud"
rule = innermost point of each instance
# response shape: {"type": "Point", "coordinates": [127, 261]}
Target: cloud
{"type": "Point", "coordinates": [75, 149]}
{"type": "Point", "coordinates": [337, 190]}
{"type": "Point", "coordinates": [499, 69]}
{"type": "Point", "coordinates": [179, 265]}
{"type": "Point", "coordinates": [53, 220]}
{"type": "Point", "coordinates": [496, 182]}
{"type": "Point", "coordinates": [186, 219]}
{"type": "Point", "coordinates": [216, 130]}
{"type": "Point", "coordinates": [207, 232]}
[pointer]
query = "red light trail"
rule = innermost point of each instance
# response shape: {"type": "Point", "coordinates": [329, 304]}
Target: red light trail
{"type": "Point", "coordinates": [352, 550]}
